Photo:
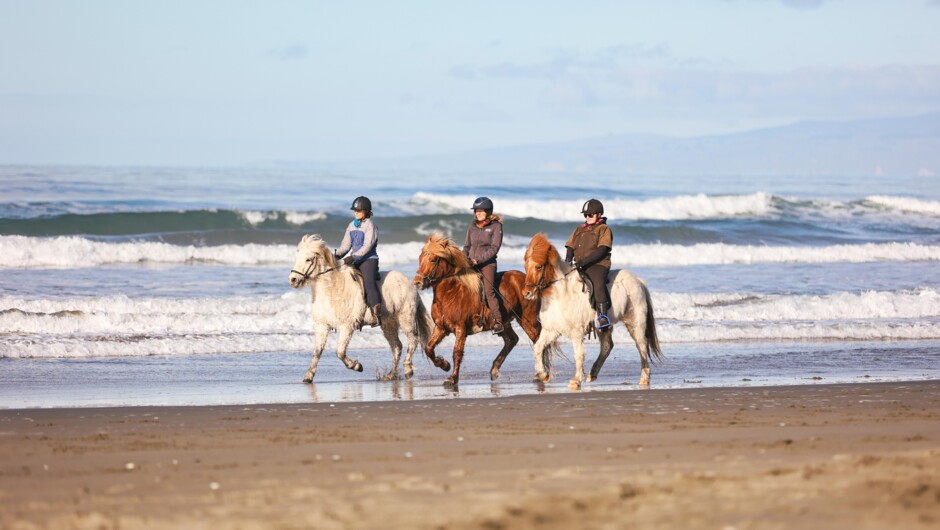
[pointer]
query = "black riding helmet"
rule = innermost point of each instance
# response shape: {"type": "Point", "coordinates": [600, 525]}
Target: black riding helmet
{"type": "Point", "coordinates": [362, 203]}
{"type": "Point", "coordinates": [592, 206]}
{"type": "Point", "coordinates": [483, 203]}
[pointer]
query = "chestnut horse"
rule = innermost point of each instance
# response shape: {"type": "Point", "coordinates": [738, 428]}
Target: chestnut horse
{"type": "Point", "coordinates": [459, 306]}
{"type": "Point", "coordinates": [566, 310]}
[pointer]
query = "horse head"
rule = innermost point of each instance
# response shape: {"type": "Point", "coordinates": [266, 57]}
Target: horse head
{"type": "Point", "coordinates": [542, 263]}
{"type": "Point", "coordinates": [313, 258]}
{"type": "Point", "coordinates": [440, 258]}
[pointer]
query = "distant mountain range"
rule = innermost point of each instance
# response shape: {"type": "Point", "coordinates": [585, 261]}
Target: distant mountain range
{"type": "Point", "coordinates": [890, 146]}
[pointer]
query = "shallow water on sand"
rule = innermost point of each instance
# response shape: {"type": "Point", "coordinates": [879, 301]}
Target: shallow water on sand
{"type": "Point", "coordinates": [276, 377]}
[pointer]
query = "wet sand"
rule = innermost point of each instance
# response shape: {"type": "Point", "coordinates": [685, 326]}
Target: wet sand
{"type": "Point", "coordinates": [821, 456]}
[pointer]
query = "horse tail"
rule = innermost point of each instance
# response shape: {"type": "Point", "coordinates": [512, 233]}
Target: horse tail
{"type": "Point", "coordinates": [423, 322]}
{"type": "Point", "coordinates": [651, 338]}
{"type": "Point", "coordinates": [552, 351]}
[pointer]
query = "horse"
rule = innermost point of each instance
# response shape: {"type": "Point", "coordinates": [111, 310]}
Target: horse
{"type": "Point", "coordinates": [566, 310]}
{"type": "Point", "coordinates": [460, 308]}
{"type": "Point", "coordinates": [339, 303]}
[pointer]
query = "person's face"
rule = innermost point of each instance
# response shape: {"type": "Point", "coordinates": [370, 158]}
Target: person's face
{"type": "Point", "coordinates": [360, 214]}
{"type": "Point", "coordinates": [591, 219]}
{"type": "Point", "coordinates": [479, 215]}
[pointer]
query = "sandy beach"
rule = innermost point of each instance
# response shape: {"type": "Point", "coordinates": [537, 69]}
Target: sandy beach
{"type": "Point", "coordinates": [822, 456]}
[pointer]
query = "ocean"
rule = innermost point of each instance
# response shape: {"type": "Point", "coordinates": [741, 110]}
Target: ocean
{"type": "Point", "coordinates": [168, 286]}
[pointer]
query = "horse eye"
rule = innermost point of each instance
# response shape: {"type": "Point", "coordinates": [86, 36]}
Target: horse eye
{"type": "Point", "coordinates": [539, 267]}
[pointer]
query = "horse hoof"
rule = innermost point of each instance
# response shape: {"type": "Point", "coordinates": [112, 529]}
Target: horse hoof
{"type": "Point", "coordinates": [409, 373]}
{"type": "Point", "coordinates": [357, 367]}
{"type": "Point", "coordinates": [541, 378]}
{"type": "Point", "coordinates": [574, 385]}
{"type": "Point", "coordinates": [308, 378]}
{"type": "Point", "coordinates": [450, 382]}
{"type": "Point", "coordinates": [445, 366]}
{"type": "Point", "coordinates": [590, 378]}
{"type": "Point", "coordinates": [494, 375]}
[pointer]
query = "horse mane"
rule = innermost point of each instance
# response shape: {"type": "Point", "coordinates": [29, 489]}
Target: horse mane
{"type": "Point", "coordinates": [542, 251]}
{"type": "Point", "coordinates": [441, 246]}
{"type": "Point", "coordinates": [317, 246]}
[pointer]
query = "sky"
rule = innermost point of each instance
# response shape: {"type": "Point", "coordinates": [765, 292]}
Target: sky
{"type": "Point", "coordinates": [232, 83]}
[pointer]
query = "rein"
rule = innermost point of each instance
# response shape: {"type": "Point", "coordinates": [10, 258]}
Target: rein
{"type": "Point", "coordinates": [308, 274]}
{"type": "Point", "coordinates": [430, 279]}
{"type": "Point", "coordinates": [539, 286]}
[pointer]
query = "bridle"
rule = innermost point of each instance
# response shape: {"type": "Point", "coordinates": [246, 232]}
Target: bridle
{"type": "Point", "coordinates": [539, 286]}
{"type": "Point", "coordinates": [429, 279]}
{"type": "Point", "coordinates": [308, 273]}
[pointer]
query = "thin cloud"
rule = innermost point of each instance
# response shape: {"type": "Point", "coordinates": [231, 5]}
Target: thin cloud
{"type": "Point", "coordinates": [803, 4]}
{"type": "Point", "coordinates": [289, 53]}
{"type": "Point", "coordinates": [568, 62]}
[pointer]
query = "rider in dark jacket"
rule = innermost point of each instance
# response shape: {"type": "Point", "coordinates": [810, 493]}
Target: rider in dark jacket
{"type": "Point", "coordinates": [588, 249]}
{"type": "Point", "coordinates": [484, 237]}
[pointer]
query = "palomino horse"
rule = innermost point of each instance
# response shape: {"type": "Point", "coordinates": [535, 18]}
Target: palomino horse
{"type": "Point", "coordinates": [459, 307]}
{"type": "Point", "coordinates": [566, 310]}
{"type": "Point", "coordinates": [339, 303]}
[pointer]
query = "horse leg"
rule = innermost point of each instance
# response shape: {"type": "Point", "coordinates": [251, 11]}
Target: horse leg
{"type": "Point", "coordinates": [575, 383]}
{"type": "Point", "coordinates": [638, 332]}
{"type": "Point", "coordinates": [460, 338]}
{"type": "Point", "coordinates": [390, 330]}
{"type": "Point", "coordinates": [345, 334]}
{"type": "Point", "coordinates": [607, 345]}
{"type": "Point", "coordinates": [510, 339]}
{"type": "Point", "coordinates": [322, 332]}
{"type": "Point", "coordinates": [530, 322]}
{"type": "Point", "coordinates": [436, 336]}
{"type": "Point", "coordinates": [538, 350]}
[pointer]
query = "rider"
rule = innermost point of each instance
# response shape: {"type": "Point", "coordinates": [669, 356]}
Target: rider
{"type": "Point", "coordinates": [588, 249]}
{"type": "Point", "coordinates": [361, 240]}
{"type": "Point", "coordinates": [484, 237]}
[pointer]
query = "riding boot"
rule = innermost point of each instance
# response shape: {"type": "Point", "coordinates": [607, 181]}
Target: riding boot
{"type": "Point", "coordinates": [603, 321]}
{"type": "Point", "coordinates": [376, 315]}
{"type": "Point", "coordinates": [497, 326]}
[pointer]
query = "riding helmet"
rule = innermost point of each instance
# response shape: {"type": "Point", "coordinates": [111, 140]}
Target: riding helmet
{"type": "Point", "coordinates": [592, 206]}
{"type": "Point", "coordinates": [362, 203]}
{"type": "Point", "coordinates": [483, 203]}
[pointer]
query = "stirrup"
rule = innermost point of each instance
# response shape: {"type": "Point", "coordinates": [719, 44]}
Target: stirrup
{"type": "Point", "coordinates": [602, 322]}
{"type": "Point", "coordinates": [498, 328]}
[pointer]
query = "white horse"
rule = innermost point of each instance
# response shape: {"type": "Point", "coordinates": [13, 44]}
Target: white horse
{"type": "Point", "coordinates": [566, 310]}
{"type": "Point", "coordinates": [339, 303]}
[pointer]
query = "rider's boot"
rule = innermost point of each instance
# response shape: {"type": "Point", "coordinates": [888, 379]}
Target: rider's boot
{"type": "Point", "coordinates": [376, 315]}
{"type": "Point", "coordinates": [497, 326]}
{"type": "Point", "coordinates": [603, 321]}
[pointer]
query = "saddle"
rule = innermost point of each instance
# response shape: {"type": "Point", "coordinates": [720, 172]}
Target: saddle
{"type": "Point", "coordinates": [588, 287]}
{"type": "Point", "coordinates": [365, 300]}
{"type": "Point", "coordinates": [481, 319]}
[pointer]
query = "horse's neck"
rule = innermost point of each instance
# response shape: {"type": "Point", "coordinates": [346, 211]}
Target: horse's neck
{"type": "Point", "coordinates": [336, 285]}
{"type": "Point", "coordinates": [453, 284]}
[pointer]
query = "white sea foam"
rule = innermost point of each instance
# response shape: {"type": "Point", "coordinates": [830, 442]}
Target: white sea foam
{"type": "Point", "coordinates": [77, 252]}
{"type": "Point", "coordinates": [123, 326]}
{"type": "Point", "coordinates": [699, 206]}
{"type": "Point", "coordinates": [296, 218]}
{"type": "Point", "coordinates": [922, 303]}
{"type": "Point", "coordinates": [906, 204]}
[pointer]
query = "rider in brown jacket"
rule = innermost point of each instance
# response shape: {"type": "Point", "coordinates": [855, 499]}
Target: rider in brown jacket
{"type": "Point", "coordinates": [588, 249]}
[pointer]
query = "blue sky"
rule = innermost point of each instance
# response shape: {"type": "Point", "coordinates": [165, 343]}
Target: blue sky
{"type": "Point", "coordinates": [230, 82]}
